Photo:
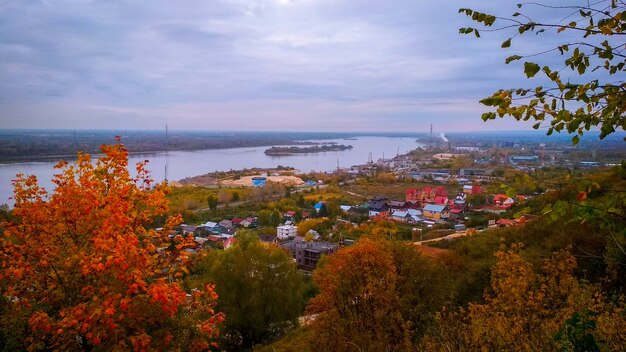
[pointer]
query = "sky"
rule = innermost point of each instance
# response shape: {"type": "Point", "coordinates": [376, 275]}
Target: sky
{"type": "Point", "coordinates": [270, 65]}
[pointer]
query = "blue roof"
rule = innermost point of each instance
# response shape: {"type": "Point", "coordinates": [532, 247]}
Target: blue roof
{"type": "Point", "coordinates": [414, 212]}
{"type": "Point", "coordinates": [434, 208]}
{"type": "Point", "coordinates": [400, 214]}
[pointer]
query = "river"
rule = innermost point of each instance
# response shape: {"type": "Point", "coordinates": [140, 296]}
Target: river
{"type": "Point", "coordinates": [183, 164]}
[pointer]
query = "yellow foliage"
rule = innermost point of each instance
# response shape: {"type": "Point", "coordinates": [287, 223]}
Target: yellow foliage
{"type": "Point", "coordinates": [525, 310]}
{"type": "Point", "coordinates": [306, 225]}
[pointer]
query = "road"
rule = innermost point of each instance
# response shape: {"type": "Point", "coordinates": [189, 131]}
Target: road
{"type": "Point", "coordinates": [448, 237]}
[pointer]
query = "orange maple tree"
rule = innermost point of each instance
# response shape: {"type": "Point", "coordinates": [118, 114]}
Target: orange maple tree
{"type": "Point", "coordinates": [82, 270]}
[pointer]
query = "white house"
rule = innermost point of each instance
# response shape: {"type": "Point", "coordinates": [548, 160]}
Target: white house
{"type": "Point", "coordinates": [286, 231]}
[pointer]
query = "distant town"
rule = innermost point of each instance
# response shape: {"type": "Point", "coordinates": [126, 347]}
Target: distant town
{"type": "Point", "coordinates": [440, 191]}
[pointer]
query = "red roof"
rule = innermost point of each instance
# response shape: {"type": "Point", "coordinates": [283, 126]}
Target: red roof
{"type": "Point", "coordinates": [411, 191]}
{"type": "Point", "coordinates": [427, 189]}
{"type": "Point", "coordinates": [505, 222]}
{"type": "Point", "coordinates": [456, 211]}
{"type": "Point", "coordinates": [306, 214]}
{"type": "Point", "coordinates": [236, 221]}
{"type": "Point", "coordinates": [229, 241]}
{"type": "Point", "coordinates": [291, 213]}
{"type": "Point", "coordinates": [441, 200]}
{"type": "Point", "coordinates": [500, 197]}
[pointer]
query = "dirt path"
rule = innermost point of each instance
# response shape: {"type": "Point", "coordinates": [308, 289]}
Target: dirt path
{"type": "Point", "coordinates": [448, 237]}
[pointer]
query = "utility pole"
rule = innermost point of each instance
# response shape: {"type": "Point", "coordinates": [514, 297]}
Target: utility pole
{"type": "Point", "coordinates": [431, 133]}
{"type": "Point", "coordinates": [167, 144]}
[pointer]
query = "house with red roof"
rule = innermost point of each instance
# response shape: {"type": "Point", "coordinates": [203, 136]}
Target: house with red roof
{"type": "Point", "coordinates": [441, 200]}
{"type": "Point", "coordinates": [503, 201]}
{"type": "Point", "coordinates": [505, 222]}
{"type": "Point", "coordinates": [411, 195]}
{"type": "Point", "coordinates": [441, 191]}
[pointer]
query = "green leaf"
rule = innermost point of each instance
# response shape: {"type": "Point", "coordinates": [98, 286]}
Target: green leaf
{"type": "Point", "coordinates": [531, 69]}
{"type": "Point", "coordinates": [512, 58]}
{"type": "Point", "coordinates": [488, 116]}
{"type": "Point", "coordinates": [575, 140]}
{"type": "Point", "coordinates": [489, 20]}
{"type": "Point", "coordinates": [506, 43]}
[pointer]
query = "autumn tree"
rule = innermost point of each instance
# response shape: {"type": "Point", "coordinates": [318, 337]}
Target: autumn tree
{"type": "Point", "coordinates": [260, 289]}
{"type": "Point", "coordinates": [587, 89]}
{"type": "Point", "coordinates": [83, 270]}
{"type": "Point", "coordinates": [317, 224]}
{"type": "Point", "coordinates": [529, 311]}
{"type": "Point", "coordinates": [375, 296]}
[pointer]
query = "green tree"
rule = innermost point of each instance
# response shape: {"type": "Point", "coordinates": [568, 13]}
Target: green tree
{"type": "Point", "coordinates": [260, 290]}
{"type": "Point", "coordinates": [595, 43]}
{"type": "Point", "coordinates": [235, 196]}
{"type": "Point", "coordinates": [212, 201]}
{"type": "Point", "coordinates": [276, 218]}
{"type": "Point", "coordinates": [265, 218]}
{"type": "Point", "coordinates": [323, 211]}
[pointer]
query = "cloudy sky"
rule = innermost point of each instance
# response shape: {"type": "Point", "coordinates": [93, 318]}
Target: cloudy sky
{"type": "Point", "coordinates": [315, 65]}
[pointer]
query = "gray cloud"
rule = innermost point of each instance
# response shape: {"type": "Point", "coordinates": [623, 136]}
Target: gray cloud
{"type": "Point", "coordinates": [223, 64]}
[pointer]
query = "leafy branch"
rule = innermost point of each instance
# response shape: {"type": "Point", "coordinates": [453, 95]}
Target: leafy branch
{"type": "Point", "coordinates": [574, 107]}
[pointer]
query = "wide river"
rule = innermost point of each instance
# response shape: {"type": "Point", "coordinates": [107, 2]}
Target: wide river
{"type": "Point", "coordinates": [181, 164]}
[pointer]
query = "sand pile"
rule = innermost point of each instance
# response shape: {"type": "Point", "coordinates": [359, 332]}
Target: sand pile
{"type": "Point", "coordinates": [246, 181]}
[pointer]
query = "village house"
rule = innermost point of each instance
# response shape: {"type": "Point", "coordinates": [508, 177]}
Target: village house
{"type": "Point", "coordinates": [411, 195]}
{"type": "Point", "coordinates": [268, 239]}
{"type": "Point", "coordinates": [236, 222]}
{"type": "Point", "coordinates": [436, 212]}
{"type": "Point", "coordinates": [401, 216]}
{"type": "Point", "coordinates": [345, 208]}
{"type": "Point", "coordinates": [503, 201]}
{"type": "Point", "coordinates": [396, 205]}
{"type": "Point", "coordinates": [378, 206]}
{"type": "Point", "coordinates": [478, 174]}
{"type": "Point", "coordinates": [515, 159]}
{"type": "Point", "coordinates": [457, 211]}
{"type": "Point", "coordinates": [307, 254]}
{"type": "Point", "coordinates": [471, 189]}
{"type": "Point", "coordinates": [187, 229]}
{"type": "Point", "coordinates": [409, 216]}
{"type": "Point", "coordinates": [318, 205]}
{"type": "Point", "coordinates": [284, 232]}
{"type": "Point", "coordinates": [226, 224]}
